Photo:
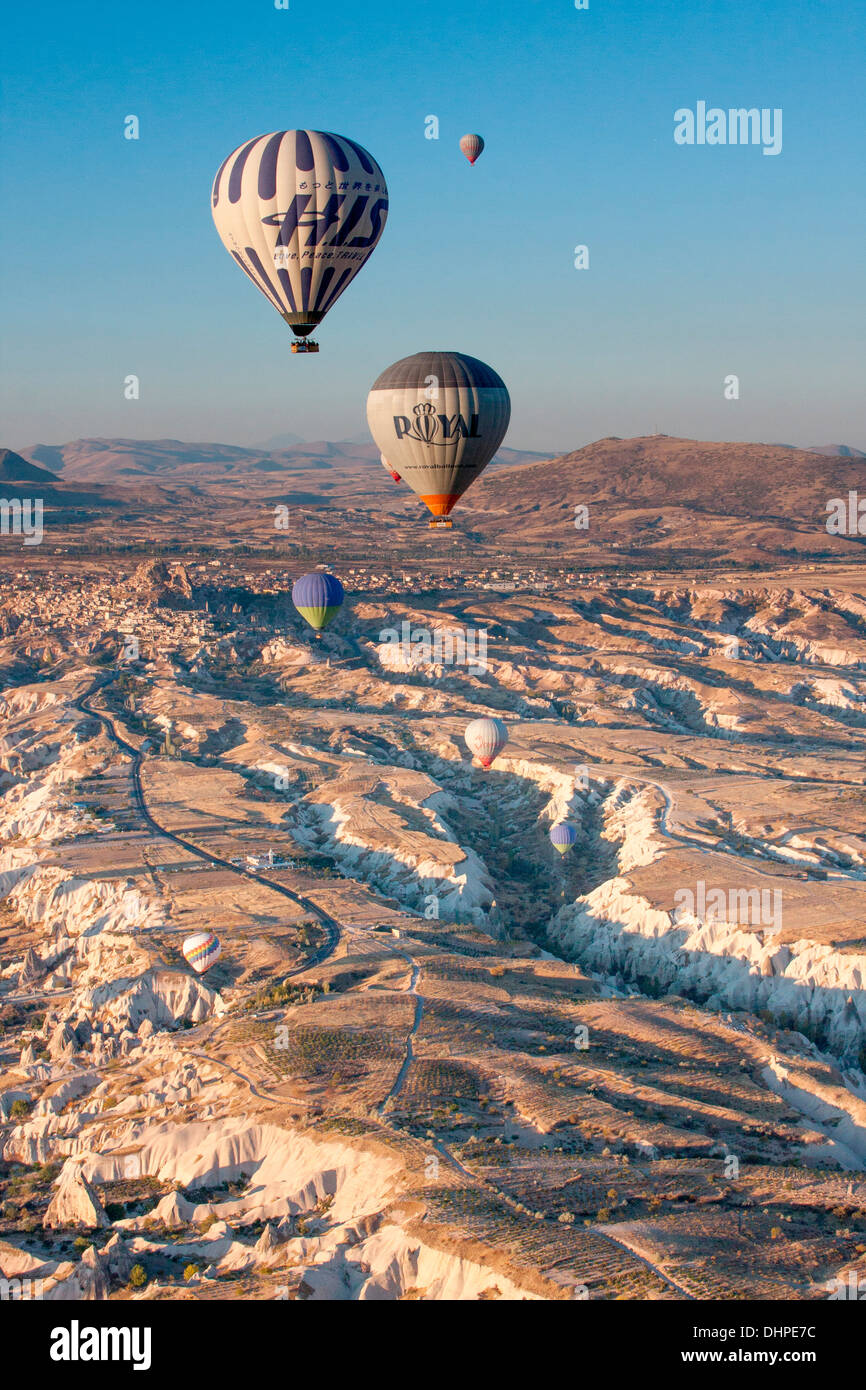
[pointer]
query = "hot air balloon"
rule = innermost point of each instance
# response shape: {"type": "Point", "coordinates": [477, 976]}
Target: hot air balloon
{"type": "Point", "coordinates": [202, 950]}
{"type": "Point", "coordinates": [300, 211]}
{"type": "Point", "coordinates": [439, 418]}
{"type": "Point", "coordinates": [388, 469]}
{"type": "Point", "coordinates": [471, 145]}
{"type": "Point", "coordinates": [318, 598]}
{"type": "Point", "coordinates": [486, 738]}
{"type": "Point", "coordinates": [563, 836]}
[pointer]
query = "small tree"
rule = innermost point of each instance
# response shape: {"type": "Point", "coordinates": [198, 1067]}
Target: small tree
{"type": "Point", "coordinates": [137, 1277]}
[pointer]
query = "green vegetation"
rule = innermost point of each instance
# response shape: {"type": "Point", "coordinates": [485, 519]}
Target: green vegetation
{"type": "Point", "coordinates": [282, 993]}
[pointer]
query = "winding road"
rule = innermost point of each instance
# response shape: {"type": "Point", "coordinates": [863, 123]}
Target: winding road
{"type": "Point", "coordinates": [330, 924]}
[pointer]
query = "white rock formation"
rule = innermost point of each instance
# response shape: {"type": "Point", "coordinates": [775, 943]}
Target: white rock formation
{"type": "Point", "coordinates": [75, 1203]}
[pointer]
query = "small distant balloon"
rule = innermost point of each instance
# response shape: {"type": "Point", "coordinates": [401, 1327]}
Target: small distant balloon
{"type": "Point", "coordinates": [486, 738]}
{"type": "Point", "coordinates": [388, 469]}
{"type": "Point", "coordinates": [202, 950]}
{"type": "Point", "coordinates": [318, 598]}
{"type": "Point", "coordinates": [562, 837]}
{"type": "Point", "coordinates": [471, 145]}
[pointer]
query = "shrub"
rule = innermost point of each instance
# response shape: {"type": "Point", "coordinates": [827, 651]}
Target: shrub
{"type": "Point", "coordinates": [137, 1277]}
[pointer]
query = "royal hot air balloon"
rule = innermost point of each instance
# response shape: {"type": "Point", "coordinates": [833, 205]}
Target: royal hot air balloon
{"type": "Point", "coordinates": [472, 146]}
{"type": "Point", "coordinates": [563, 836]}
{"type": "Point", "coordinates": [388, 469]}
{"type": "Point", "coordinates": [318, 598]}
{"type": "Point", "coordinates": [439, 417]}
{"type": "Point", "coordinates": [486, 738]}
{"type": "Point", "coordinates": [202, 950]}
{"type": "Point", "coordinates": [300, 211]}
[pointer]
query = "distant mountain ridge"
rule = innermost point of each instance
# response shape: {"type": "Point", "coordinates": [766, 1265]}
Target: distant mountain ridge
{"type": "Point", "coordinates": [119, 461]}
{"type": "Point", "coordinates": [845, 451]}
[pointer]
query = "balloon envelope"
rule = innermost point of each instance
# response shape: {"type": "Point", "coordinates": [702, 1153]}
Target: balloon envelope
{"type": "Point", "coordinates": [486, 738]}
{"type": "Point", "coordinates": [439, 418]}
{"type": "Point", "coordinates": [562, 837]}
{"type": "Point", "coordinates": [471, 145]}
{"type": "Point", "coordinates": [300, 211]}
{"type": "Point", "coordinates": [318, 598]}
{"type": "Point", "coordinates": [202, 950]}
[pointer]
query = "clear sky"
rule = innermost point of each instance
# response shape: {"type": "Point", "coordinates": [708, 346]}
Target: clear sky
{"type": "Point", "coordinates": [704, 260]}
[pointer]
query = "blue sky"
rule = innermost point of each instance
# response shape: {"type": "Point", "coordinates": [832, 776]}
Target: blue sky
{"type": "Point", "coordinates": [704, 261]}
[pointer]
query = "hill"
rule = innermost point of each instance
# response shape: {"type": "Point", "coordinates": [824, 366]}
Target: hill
{"type": "Point", "coordinates": [15, 469]}
{"type": "Point", "coordinates": [673, 495]}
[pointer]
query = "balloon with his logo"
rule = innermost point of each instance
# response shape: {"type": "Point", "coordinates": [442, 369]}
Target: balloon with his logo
{"type": "Point", "coordinates": [439, 418]}
{"type": "Point", "coordinates": [472, 146]}
{"type": "Point", "coordinates": [318, 598]}
{"type": "Point", "coordinates": [300, 211]}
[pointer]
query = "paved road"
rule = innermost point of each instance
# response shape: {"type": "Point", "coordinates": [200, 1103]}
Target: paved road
{"type": "Point", "coordinates": [330, 924]}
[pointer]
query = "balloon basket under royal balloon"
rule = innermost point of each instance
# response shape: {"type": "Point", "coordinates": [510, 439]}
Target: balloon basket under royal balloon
{"type": "Point", "coordinates": [436, 522]}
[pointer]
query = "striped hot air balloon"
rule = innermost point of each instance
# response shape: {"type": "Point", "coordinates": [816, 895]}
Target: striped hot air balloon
{"type": "Point", "coordinates": [486, 738]}
{"type": "Point", "coordinates": [471, 145]}
{"type": "Point", "coordinates": [300, 211]}
{"type": "Point", "coordinates": [563, 836]}
{"type": "Point", "coordinates": [439, 417]}
{"type": "Point", "coordinates": [202, 950]}
{"type": "Point", "coordinates": [318, 598]}
{"type": "Point", "coordinates": [388, 469]}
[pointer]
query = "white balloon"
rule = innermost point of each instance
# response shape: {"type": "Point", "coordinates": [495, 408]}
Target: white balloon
{"type": "Point", "coordinates": [486, 738]}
